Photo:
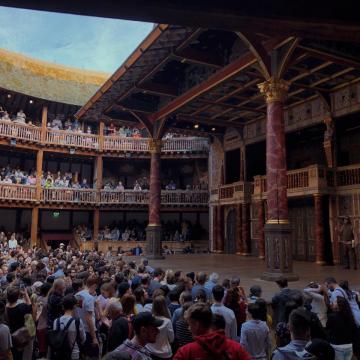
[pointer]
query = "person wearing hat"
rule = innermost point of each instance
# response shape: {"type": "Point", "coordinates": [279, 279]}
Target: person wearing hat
{"type": "Point", "coordinates": [145, 327]}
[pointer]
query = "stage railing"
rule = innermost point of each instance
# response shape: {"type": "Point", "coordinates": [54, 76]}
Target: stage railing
{"type": "Point", "coordinates": [72, 139]}
{"type": "Point", "coordinates": [15, 130]}
{"type": "Point", "coordinates": [17, 192]}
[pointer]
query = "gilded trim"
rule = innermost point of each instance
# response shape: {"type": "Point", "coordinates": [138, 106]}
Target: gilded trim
{"type": "Point", "coordinates": [277, 221]}
{"type": "Point", "coordinates": [274, 90]}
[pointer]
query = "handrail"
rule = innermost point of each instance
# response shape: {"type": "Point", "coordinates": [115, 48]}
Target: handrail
{"type": "Point", "coordinates": [68, 195]}
{"type": "Point", "coordinates": [185, 145]}
{"type": "Point", "coordinates": [17, 192]}
{"type": "Point", "coordinates": [124, 197]}
{"type": "Point", "coordinates": [348, 175]}
{"type": "Point", "coordinates": [15, 130]}
{"type": "Point", "coordinates": [72, 138]}
{"type": "Point", "coordinates": [181, 197]}
{"type": "Point", "coordinates": [118, 143]}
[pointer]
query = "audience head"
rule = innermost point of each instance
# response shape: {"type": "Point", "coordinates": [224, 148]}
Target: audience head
{"type": "Point", "coordinates": [146, 327]}
{"type": "Point", "coordinates": [199, 318]}
{"type": "Point", "coordinates": [299, 324]}
{"type": "Point", "coordinates": [282, 283]}
{"type": "Point", "coordinates": [218, 293]}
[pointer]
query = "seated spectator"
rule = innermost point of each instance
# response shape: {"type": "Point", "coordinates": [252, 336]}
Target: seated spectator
{"type": "Point", "coordinates": [20, 117]}
{"type": "Point", "coordinates": [137, 186]}
{"type": "Point", "coordinates": [120, 186]}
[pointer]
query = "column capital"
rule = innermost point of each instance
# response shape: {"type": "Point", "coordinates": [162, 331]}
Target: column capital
{"type": "Point", "coordinates": [274, 89]}
{"type": "Point", "coordinates": [155, 145]}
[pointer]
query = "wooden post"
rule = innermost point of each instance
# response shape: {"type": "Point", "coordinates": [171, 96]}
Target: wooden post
{"type": "Point", "coordinates": [39, 166]}
{"type": "Point", "coordinates": [34, 226]}
{"type": "Point", "coordinates": [44, 117]}
{"type": "Point", "coordinates": [101, 135]}
{"type": "Point", "coordinates": [96, 224]}
{"type": "Point", "coordinates": [98, 175]}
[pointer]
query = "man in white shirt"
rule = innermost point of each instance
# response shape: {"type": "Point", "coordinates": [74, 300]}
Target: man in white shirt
{"type": "Point", "coordinates": [218, 308]}
{"type": "Point", "coordinates": [13, 242]}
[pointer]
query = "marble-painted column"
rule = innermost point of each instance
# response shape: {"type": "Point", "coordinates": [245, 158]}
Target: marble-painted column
{"type": "Point", "coordinates": [277, 229]}
{"type": "Point", "coordinates": [245, 209]}
{"type": "Point", "coordinates": [221, 229]}
{"type": "Point", "coordinates": [153, 230]}
{"type": "Point", "coordinates": [319, 230]}
{"type": "Point", "coordinates": [239, 243]}
{"type": "Point", "coordinates": [261, 240]}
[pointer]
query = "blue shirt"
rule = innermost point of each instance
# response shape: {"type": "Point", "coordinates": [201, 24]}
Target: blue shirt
{"type": "Point", "coordinates": [230, 320]}
{"type": "Point", "coordinates": [255, 338]}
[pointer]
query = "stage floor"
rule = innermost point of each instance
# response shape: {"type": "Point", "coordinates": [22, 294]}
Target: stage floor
{"type": "Point", "coordinates": [249, 269]}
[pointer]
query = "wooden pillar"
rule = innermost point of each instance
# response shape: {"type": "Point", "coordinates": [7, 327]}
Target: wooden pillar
{"type": "Point", "coordinates": [34, 226]}
{"type": "Point", "coordinates": [335, 230]}
{"type": "Point", "coordinates": [239, 243]}
{"type": "Point", "coordinates": [39, 169]}
{"type": "Point", "coordinates": [245, 229]}
{"type": "Point", "coordinates": [98, 175]}
{"type": "Point", "coordinates": [220, 229]}
{"type": "Point", "coordinates": [44, 119]}
{"type": "Point", "coordinates": [101, 135]}
{"type": "Point", "coordinates": [96, 224]}
{"type": "Point", "coordinates": [319, 230]}
{"type": "Point", "coordinates": [261, 243]}
{"type": "Point", "coordinates": [214, 229]}
{"type": "Point", "coordinates": [242, 163]}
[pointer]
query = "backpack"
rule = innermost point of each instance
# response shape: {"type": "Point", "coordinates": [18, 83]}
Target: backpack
{"type": "Point", "coordinates": [58, 340]}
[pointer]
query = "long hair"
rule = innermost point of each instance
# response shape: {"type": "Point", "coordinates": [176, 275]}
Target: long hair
{"type": "Point", "coordinates": [323, 291]}
{"type": "Point", "coordinates": [159, 307]}
{"type": "Point", "coordinates": [128, 304]}
{"type": "Point", "coordinates": [58, 283]}
{"type": "Point", "coordinates": [345, 311]}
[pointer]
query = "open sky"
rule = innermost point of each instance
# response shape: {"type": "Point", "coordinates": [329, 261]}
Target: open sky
{"type": "Point", "coordinates": [81, 41]}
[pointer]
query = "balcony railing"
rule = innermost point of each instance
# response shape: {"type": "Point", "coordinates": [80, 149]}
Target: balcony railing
{"type": "Point", "coordinates": [17, 192]}
{"type": "Point", "coordinates": [348, 175]}
{"type": "Point", "coordinates": [117, 143]}
{"type": "Point", "coordinates": [183, 197]}
{"type": "Point", "coordinates": [72, 139]}
{"type": "Point", "coordinates": [20, 131]}
{"type": "Point", "coordinates": [185, 144]}
{"type": "Point", "coordinates": [13, 130]}
{"type": "Point", "coordinates": [124, 197]}
{"type": "Point", "coordinates": [68, 195]}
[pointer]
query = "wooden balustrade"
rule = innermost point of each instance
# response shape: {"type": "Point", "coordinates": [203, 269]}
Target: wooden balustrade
{"type": "Point", "coordinates": [69, 195]}
{"type": "Point", "coordinates": [17, 192]}
{"type": "Point", "coordinates": [15, 130]}
{"type": "Point", "coordinates": [72, 139]}
{"type": "Point", "coordinates": [117, 143]}
{"type": "Point", "coordinates": [297, 179]}
{"type": "Point", "coordinates": [226, 191]}
{"type": "Point", "coordinates": [124, 197]}
{"type": "Point", "coordinates": [185, 144]}
{"type": "Point", "coordinates": [348, 175]}
{"type": "Point", "coordinates": [183, 197]}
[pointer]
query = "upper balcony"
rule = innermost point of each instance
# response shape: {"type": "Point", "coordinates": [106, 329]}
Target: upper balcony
{"type": "Point", "coordinates": [191, 146]}
{"type": "Point", "coordinates": [13, 193]}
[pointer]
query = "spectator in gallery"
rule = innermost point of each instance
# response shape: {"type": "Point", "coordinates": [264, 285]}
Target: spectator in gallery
{"type": "Point", "coordinates": [120, 186]}
{"type": "Point", "coordinates": [20, 117]}
{"type": "Point", "coordinates": [137, 186]}
{"type": "Point", "coordinates": [84, 184]}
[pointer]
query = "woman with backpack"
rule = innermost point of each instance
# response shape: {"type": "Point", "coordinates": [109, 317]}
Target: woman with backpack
{"type": "Point", "coordinates": [21, 323]}
{"type": "Point", "coordinates": [54, 305]}
{"type": "Point", "coordinates": [68, 333]}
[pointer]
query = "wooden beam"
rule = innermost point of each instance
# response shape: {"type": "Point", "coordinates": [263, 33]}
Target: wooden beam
{"type": "Point", "coordinates": [338, 59]}
{"type": "Point", "coordinates": [157, 89]}
{"type": "Point", "coordinates": [198, 57]}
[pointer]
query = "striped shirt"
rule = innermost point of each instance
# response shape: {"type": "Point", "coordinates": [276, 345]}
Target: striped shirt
{"type": "Point", "coordinates": [137, 352]}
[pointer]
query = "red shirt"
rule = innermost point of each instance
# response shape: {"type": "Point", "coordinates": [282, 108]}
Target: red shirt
{"type": "Point", "coordinates": [212, 346]}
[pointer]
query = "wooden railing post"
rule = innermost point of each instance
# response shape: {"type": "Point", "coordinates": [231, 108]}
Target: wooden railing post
{"type": "Point", "coordinates": [44, 117]}
{"type": "Point", "coordinates": [96, 224]}
{"type": "Point", "coordinates": [98, 175]}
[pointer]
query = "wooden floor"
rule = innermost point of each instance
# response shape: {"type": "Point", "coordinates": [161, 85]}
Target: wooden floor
{"type": "Point", "coordinates": [250, 269]}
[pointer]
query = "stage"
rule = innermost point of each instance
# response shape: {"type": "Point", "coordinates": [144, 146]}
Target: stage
{"type": "Point", "coordinates": [250, 269]}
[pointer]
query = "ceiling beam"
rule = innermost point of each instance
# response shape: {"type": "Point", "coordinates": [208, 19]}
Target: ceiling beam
{"type": "Point", "coordinates": [324, 55]}
{"type": "Point", "coordinates": [198, 57]}
{"type": "Point", "coordinates": [157, 89]}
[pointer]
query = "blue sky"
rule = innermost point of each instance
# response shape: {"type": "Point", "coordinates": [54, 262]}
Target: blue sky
{"type": "Point", "coordinates": [80, 41]}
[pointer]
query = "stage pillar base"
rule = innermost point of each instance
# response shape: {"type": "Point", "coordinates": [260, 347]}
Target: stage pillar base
{"type": "Point", "coordinates": [278, 253]}
{"type": "Point", "coordinates": [153, 240]}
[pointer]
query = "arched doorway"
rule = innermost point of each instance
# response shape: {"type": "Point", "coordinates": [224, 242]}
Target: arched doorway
{"type": "Point", "coordinates": [230, 236]}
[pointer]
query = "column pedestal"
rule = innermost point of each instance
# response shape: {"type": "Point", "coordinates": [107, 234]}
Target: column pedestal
{"type": "Point", "coordinates": [153, 240]}
{"type": "Point", "coordinates": [278, 253]}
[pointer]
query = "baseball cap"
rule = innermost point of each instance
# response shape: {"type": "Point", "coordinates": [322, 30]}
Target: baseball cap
{"type": "Point", "coordinates": [145, 319]}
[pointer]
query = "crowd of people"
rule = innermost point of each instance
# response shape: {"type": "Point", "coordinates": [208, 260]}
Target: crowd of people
{"type": "Point", "coordinates": [69, 124]}
{"type": "Point", "coordinates": [140, 184]}
{"type": "Point", "coordinates": [63, 180]}
{"type": "Point", "coordinates": [18, 117]}
{"type": "Point", "coordinates": [68, 304]}
{"type": "Point", "coordinates": [15, 175]}
{"type": "Point", "coordinates": [124, 131]}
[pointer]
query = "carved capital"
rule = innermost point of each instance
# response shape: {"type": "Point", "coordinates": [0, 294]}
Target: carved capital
{"type": "Point", "coordinates": [274, 90]}
{"type": "Point", "coordinates": [155, 145]}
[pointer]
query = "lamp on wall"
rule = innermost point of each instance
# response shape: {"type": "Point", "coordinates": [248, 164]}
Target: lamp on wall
{"type": "Point", "coordinates": [72, 151]}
